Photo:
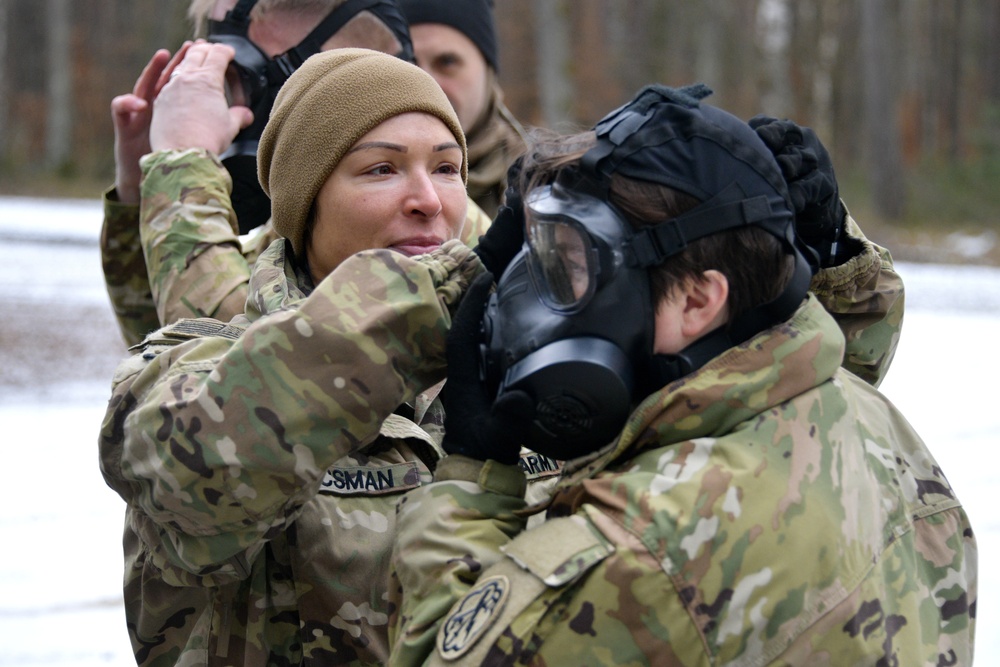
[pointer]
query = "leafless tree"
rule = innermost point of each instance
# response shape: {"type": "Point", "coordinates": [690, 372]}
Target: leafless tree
{"type": "Point", "coordinates": [59, 103]}
{"type": "Point", "coordinates": [881, 127]}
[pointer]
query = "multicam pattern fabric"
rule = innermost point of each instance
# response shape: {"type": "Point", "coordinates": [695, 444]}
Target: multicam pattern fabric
{"type": "Point", "coordinates": [865, 296]}
{"type": "Point", "coordinates": [769, 509]}
{"type": "Point", "coordinates": [261, 468]}
{"type": "Point", "coordinates": [188, 260]}
{"type": "Point", "coordinates": [124, 269]}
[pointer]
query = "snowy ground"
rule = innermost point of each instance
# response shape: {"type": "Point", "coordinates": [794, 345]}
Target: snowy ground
{"type": "Point", "coordinates": [60, 566]}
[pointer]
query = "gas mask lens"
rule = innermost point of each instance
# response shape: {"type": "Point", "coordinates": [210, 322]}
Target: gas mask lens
{"type": "Point", "coordinates": [236, 90]}
{"type": "Point", "coordinates": [563, 260]}
{"type": "Point", "coordinates": [560, 262]}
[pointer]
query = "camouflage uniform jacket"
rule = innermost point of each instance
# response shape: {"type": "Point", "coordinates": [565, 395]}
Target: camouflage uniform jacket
{"type": "Point", "coordinates": [261, 470]}
{"type": "Point", "coordinates": [185, 259]}
{"type": "Point", "coordinates": [769, 509]}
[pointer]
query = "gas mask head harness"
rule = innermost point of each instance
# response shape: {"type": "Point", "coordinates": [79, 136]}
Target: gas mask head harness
{"type": "Point", "coordinates": [253, 80]}
{"type": "Point", "coordinates": [572, 319]}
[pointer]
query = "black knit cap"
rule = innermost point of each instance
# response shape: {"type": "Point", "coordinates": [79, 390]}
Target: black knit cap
{"type": "Point", "coordinates": [473, 18]}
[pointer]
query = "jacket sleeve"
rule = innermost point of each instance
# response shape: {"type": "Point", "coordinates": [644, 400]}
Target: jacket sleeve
{"type": "Point", "coordinates": [216, 443]}
{"type": "Point", "coordinates": [195, 262]}
{"type": "Point", "coordinates": [865, 296]}
{"type": "Point", "coordinates": [448, 533]}
{"type": "Point", "coordinates": [124, 269]}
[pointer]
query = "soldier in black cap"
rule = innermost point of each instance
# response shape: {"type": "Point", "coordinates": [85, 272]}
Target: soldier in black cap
{"type": "Point", "coordinates": [456, 42]}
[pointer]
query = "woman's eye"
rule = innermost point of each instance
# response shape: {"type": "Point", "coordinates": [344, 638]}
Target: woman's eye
{"type": "Point", "coordinates": [449, 169]}
{"type": "Point", "coordinates": [380, 170]}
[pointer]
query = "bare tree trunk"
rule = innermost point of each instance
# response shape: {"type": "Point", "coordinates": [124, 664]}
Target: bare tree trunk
{"type": "Point", "coordinates": [59, 116]}
{"type": "Point", "coordinates": [774, 27]}
{"type": "Point", "coordinates": [5, 87]}
{"type": "Point", "coordinates": [518, 64]}
{"type": "Point", "coordinates": [881, 126]}
{"type": "Point", "coordinates": [991, 64]}
{"type": "Point", "coordinates": [952, 100]}
{"type": "Point", "coordinates": [555, 91]}
{"type": "Point", "coordinates": [709, 45]}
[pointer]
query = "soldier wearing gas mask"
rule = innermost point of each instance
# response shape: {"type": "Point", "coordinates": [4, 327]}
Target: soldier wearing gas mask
{"type": "Point", "coordinates": [732, 492]}
{"type": "Point", "coordinates": [205, 214]}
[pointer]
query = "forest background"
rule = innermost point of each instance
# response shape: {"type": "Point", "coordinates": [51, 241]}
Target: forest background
{"type": "Point", "coordinates": [905, 93]}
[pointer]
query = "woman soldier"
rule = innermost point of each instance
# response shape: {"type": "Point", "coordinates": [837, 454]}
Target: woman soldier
{"type": "Point", "coordinates": [261, 459]}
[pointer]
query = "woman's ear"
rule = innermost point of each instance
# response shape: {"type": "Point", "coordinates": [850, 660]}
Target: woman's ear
{"type": "Point", "coordinates": [704, 304]}
{"type": "Point", "coordinates": [691, 311]}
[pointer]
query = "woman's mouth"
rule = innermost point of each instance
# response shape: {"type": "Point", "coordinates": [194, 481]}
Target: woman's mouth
{"type": "Point", "coordinates": [417, 246]}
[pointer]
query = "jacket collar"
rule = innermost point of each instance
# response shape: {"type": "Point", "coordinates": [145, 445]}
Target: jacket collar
{"type": "Point", "coordinates": [275, 281]}
{"type": "Point", "coordinates": [735, 387]}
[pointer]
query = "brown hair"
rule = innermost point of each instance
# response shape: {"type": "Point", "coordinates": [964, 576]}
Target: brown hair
{"type": "Point", "coordinates": [753, 261]}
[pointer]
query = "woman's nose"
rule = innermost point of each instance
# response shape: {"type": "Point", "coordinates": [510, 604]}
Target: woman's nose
{"type": "Point", "coordinates": [422, 196]}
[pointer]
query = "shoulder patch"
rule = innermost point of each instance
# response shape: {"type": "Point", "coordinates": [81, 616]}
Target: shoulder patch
{"type": "Point", "coordinates": [472, 616]}
{"type": "Point", "coordinates": [373, 480]}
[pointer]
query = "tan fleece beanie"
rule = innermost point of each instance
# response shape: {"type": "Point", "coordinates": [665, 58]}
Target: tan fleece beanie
{"type": "Point", "coordinates": [328, 103]}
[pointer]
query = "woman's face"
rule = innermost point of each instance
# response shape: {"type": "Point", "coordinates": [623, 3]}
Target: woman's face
{"type": "Point", "coordinates": [398, 187]}
{"type": "Point", "coordinates": [456, 64]}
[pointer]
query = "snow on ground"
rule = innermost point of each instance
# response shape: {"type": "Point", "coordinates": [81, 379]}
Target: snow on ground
{"type": "Point", "coordinates": [60, 566]}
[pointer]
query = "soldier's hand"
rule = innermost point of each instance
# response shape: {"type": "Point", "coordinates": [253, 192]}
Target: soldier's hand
{"type": "Point", "coordinates": [812, 185]}
{"type": "Point", "coordinates": [505, 236]}
{"type": "Point", "coordinates": [192, 110]}
{"type": "Point", "coordinates": [131, 114]}
{"type": "Point", "coordinates": [475, 425]}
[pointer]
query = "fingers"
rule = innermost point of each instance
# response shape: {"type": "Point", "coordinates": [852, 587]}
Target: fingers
{"type": "Point", "coordinates": [218, 57]}
{"type": "Point", "coordinates": [811, 139]}
{"type": "Point", "coordinates": [796, 162]}
{"type": "Point", "coordinates": [760, 120]}
{"type": "Point", "coordinates": [813, 189]}
{"type": "Point", "coordinates": [513, 407]}
{"type": "Point", "coordinates": [511, 417]}
{"type": "Point", "coordinates": [125, 105]}
{"type": "Point", "coordinates": [776, 134]}
{"type": "Point", "coordinates": [242, 117]}
{"type": "Point", "coordinates": [171, 66]}
{"type": "Point", "coordinates": [466, 327]}
{"type": "Point", "coordinates": [466, 323]}
{"type": "Point", "coordinates": [145, 85]}
{"type": "Point", "coordinates": [198, 59]}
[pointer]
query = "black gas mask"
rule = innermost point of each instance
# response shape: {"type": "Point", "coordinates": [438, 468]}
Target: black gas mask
{"type": "Point", "coordinates": [555, 326]}
{"type": "Point", "coordinates": [253, 80]}
{"type": "Point", "coordinates": [572, 319]}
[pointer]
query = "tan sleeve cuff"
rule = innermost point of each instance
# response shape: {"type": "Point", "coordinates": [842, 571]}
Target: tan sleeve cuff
{"type": "Point", "coordinates": [862, 265]}
{"type": "Point", "coordinates": [112, 205]}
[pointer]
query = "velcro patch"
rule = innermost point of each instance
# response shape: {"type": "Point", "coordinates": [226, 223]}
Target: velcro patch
{"type": "Point", "coordinates": [472, 616]}
{"type": "Point", "coordinates": [370, 480]}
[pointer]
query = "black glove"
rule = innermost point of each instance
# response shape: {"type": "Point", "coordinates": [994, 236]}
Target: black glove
{"type": "Point", "coordinates": [475, 426]}
{"type": "Point", "coordinates": [812, 185]}
{"type": "Point", "coordinates": [505, 236]}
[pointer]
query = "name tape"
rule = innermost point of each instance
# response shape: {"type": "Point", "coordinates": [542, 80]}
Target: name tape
{"type": "Point", "coordinates": [370, 480]}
